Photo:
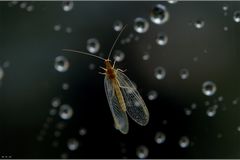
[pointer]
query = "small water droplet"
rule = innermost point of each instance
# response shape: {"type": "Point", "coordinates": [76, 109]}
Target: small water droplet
{"type": "Point", "coordinates": [67, 5]}
{"type": "Point", "coordinates": [220, 99]}
{"type": "Point", "coordinates": [159, 14]}
{"type": "Point", "coordinates": [141, 25]}
{"type": "Point", "coordinates": [209, 88]}
{"type": "Point", "coordinates": [184, 142]}
{"type": "Point", "coordinates": [61, 64]}
{"type": "Point", "coordinates": [65, 111]}
{"type": "Point", "coordinates": [68, 30]}
{"type": "Point", "coordinates": [117, 25]}
{"type": "Point", "coordinates": [211, 111]}
{"type": "Point", "coordinates": [238, 128]}
{"type": "Point", "coordinates": [194, 106]}
{"type": "Point", "coordinates": [52, 112]}
{"type": "Point", "coordinates": [1, 73]}
{"type": "Point", "coordinates": [93, 45]}
{"type": "Point", "coordinates": [82, 131]}
{"type": "Point", "coordinates": [65, 86]}
{"type": "Point", "coordinates": [91, 66]}
{"type": "Point", "coordinates": [118, 55]}
{"type": "Point", "coordinates": [56, 102]}
{"type": "Point", "coordinates": [199, 24]}
{"type": "Point", "coordinates": [146, 56]}
{"type": "Point", "coordinates": [162, 39]}
{"type": "Point", "coordinates": [152, 95]}
{"type": "Point", "coordinates": [57, 133]}
{"type": "Point", "coordinates": [72, 144]}
{"type": "Point", "coordinates": [160, 137]}
{"type": "Point", "coordinates": [184, 73]}
{"type": "Point", "coordinates": [57, 27]}
{"type": "Point", "coordinates": [172, 1]}
{"type": "Point", "coordinates": [159, 73]}
{"type": "Point", "coordinates": [6, 64]}
{"type": "Point", "coordinates": [142, 152]}
{"type": "Point", "coordinates": [236, 16]}
{"type": "Point", "coordinates": [30, 8]}
{"type": "Point", "coordinates": [225, 28]}
{"type": "Point", "coordinates": [23, 5]}
{"type": "Point", "coordinates": [225, 7]}
{"type": "Point", "coordinates": [187, 111]}
{"type": "Point", "coordinates": [235, 101]}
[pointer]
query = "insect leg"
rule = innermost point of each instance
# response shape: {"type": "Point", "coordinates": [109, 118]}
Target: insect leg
{"type": "Point", "coordinates": [122, 70]}
{"type": "Point", "coordinates": [114, 63]}
{"type": "Point", "coordinates": [102, 73]}
{"type": "Point", "coordinates": [103, 68]}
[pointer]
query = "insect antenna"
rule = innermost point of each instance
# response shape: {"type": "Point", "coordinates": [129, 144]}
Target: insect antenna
{"type": "Point", "coordinates": [85, 53]}
{"type": "Point", "coordinates": [116, 41]}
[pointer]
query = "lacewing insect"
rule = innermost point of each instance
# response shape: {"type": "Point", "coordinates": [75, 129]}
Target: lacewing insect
{"type": "Point", "coordinates": [122, 95]}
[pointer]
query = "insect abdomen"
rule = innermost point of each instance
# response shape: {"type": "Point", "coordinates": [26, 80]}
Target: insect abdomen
{"type": "Point", "coordinates": [119, 95]}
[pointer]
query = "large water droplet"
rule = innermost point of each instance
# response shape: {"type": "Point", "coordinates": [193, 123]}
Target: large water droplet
{"type": "Point", "coordinates": [93, 45]}
{"type": "Point", "coordinates": [65, 111]}
{"type": "Point", "coordinates": [161, 39]}
{"type": "Point", "coordinates": [159, 73]}
{"type": "Point", "coordinates": [236, 16]}
{"type": "Point", "coordinates": [67, 5]}
{"type": "Point", "coordinates": [184, 142]}
{"type": "Point", "coordinates": [72, 144]}
{"type": "Point", "coordinates": [117, 25]}
{"type": "Point", "coordinates": [61, 64]}
{"type": "Point", "coordinates": [118, 55]}
{"type": "Point", "coordinates": [141, 25]}
{"type": "Point", "coordinates": [209, 88]}
{"type": "Point", "coordinates": [142, 151]}
{"type": "Point", "coordinates": [159, 14]}
{"type": "Point", "coordinates": [152, 95]}
{"type": "Point", "coordinates": [160, 137]}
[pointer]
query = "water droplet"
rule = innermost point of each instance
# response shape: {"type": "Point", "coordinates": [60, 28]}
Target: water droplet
{"type": "Point", "coordinates": [93, 45]}
{"type": "Point", "coordinates": [67, 5]}
{"type": "Point", "coordinates": [187, 111]}
{"type": "Point", "coordinates": [172, 1]}
{"type": "Point", "coordinates": [30, 8]}
{"type": "Point", "coordinates": [211, 111]}
{"type": "Point", "coordinates": [199, 24]}
{"type": "Point", "coordinates": [159, 73]}
{"type": "Point", "coordinates": [206, 103]}
{"type": "Point", "coordinates": [236, 16]}
{"type": "Point", "coordinates": [65, 111]}
{"type": "Point", "coordinates": [65, 86]}
{"type": "Point", "coordinates": [6, 64]}
{"type": "Point", "coordinates": [161, 39]}
{"type": "Point", "coordinates": [152, 95]}
{"type": "Point", "coordinates": [142, 152]}
{"type": "Point", "coordinates": [225, 28]}
{"type": "Point", "coordinates": [238, 128]}
{"type": "Point", "coordinates": [91, 66]}
{"type": "Point", "coordinates": [1, 73]}
{"type": "Point", "coordinates": [68, 30]}
{"type": "Point", "coordinates": [23, 5]}
{"type": "Point", "coordinates": [52, 112]}
{"type": "Point", "coordinates": [82, 131]}
{"type": "Point", "coordinates": [194, 106]}
{"type": "Point", "coordinates": [146, 56]}
{"type": "Point", "coordinates": [72, 144]}
{"type": "Point", "coordinates": [184, 73]}
{"type": "Point", "coordinates": [14, 2]}
{"type": "Point", "coordinates": [184, 142]}
{"type": "Point", "coordinates": [235, 101]}
{"type": "Point", "coordinates": [225, 7]}
{"type": "Point", "coordinates": [219, 135]}
{"type": "Point", "coordinates": [141, 25]}
{"type": "Point", "coordinates": [118, 55]}
{"type": "Point", "coordinates": [160, 137]}
{"type": "Point", "coordinates": [209, 88]}
{"type": "Point", "coordinates": [61, 64]}
{"type": "Point", "coordinates": [57, 133]}
{"type": "Point", "coordinates": [56, 102]}
{"type": "Point", "coordinates": [117, 25]}
{"type": "Point", "coordinates": [159, 14]}
{"type": "Point", "coordinates": [220, 99]}
{"type": "Point", "coordinates": [57, 27]}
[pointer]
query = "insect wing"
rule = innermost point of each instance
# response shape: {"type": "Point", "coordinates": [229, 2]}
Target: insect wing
{"type": "Point", "coordinates": [136, 107]}
{"type": "Point", "coordinates": [119, 116]}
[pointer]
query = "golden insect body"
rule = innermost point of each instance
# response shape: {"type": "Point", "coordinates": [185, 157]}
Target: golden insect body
{"type": "Point", "coordinates": [122, 95]}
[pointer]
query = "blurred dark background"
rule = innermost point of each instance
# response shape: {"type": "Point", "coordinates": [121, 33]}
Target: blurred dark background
{"type": "Point", "coordinates": [32, 37]}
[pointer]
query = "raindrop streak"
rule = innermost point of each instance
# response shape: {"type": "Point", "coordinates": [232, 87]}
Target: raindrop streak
{"type": "Point", "coordinates": [56, 102]}
{"type": "Point", "coordinates": [159, 73]}
{"type": "Point", "coordinates": [93, 45]}
{"type": "Point", "coordinates": [161, 39]}
{"type": "Point", "coordinates": [72, 144]}
{"type": "Point", "coordinates": [159, 14]}
{"type": "Point", "coordinates": [184, 142]}
{"type": "Point", "coordinates": [65, 111]}
{"type": "Point", "coordinates": [160, 137]}
{"type": "Point", "coordinates": [118, 55]}
{"type": "Point", "coordinates": [199, 24]}
{"type": "Point", "coordinates": [152, 95]}
{"type": "Point", "coordinates": [67, 5]}
{"type": "Point", "coordinates": [236, 16]}
{"type": "Point", "coordinates": [117, 25]}
{"type": "Point", "coordinates": [141, 25]}
{"type": "Point", "coordinates": [1, 73]}
{"type": "Point", "coordinates": [209, 88]}
{"type": "Point", "coordinates": [142, 152]}
{"type": "Point", "coordinates": [184, 73]}
{"type": "Point", "coordinates": [61, 64]}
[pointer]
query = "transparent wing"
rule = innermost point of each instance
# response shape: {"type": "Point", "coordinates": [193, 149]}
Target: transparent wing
{"type": "Point", "coordinates": [119, 117]}
{"type": "Point", "coordinates": [136, 107]}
